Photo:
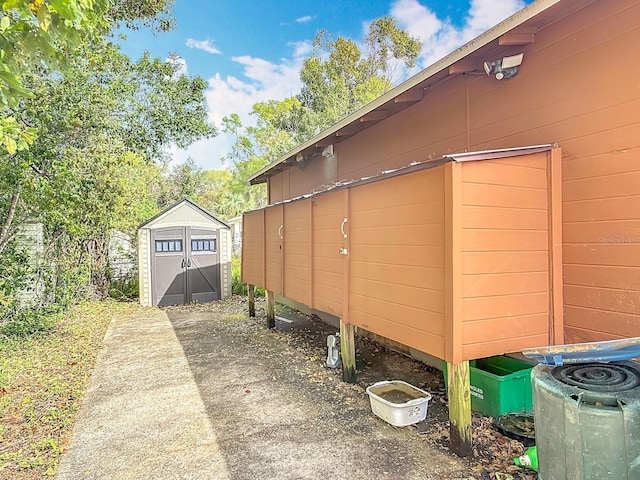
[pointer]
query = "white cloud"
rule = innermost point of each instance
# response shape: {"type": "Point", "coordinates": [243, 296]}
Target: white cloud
{"type": "Point", "coordinates": [440, 37]}
{"type": "Point", "coordinates": [484, 14]}
{"type": "Point", "coordinates": [206, 153]}
{"type": "Point", "coordinates": [263, 80]}
{"type": "Point", "coordinates": [180, 63]}
{"type": "Point", "coordinates": [202, 45]}
{"type": "Point", "coordinates": [266, 81]}
{"type": "Point", "coordinates": [301, 49]}
{"type": "Point", "coordinates": [304, 19]}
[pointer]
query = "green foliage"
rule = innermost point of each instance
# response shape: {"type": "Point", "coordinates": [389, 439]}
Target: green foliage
{"type": "Point", "coordinates": [125, 288]}
{"type": "Point", "coordinates": [39, 34]}
{"type": "Point", "coordinates": [94, 167]}
{"type": "Point", "coordinates": [160, 106]}
{"type": "Point", "coordinates": [66, 270]}
{"type": "Point", "coordinates": [152, 14]}
{"type": "Point", "coordinates": [15, 275]}
{"type": "Point", "coordinates": [31, 321]}
{"type": "Point", "coordinates": [46, 36]}
{"type": "Point", "coordinates": [15, 137]}
{"type": "Point", "coordinates": [181, 181]}
{"type": "Point", "coordinates": [338, 78]}
{"type": "Point", "coordinates": [42, 32]}
{"type": "Point", "coordinates": [237, 286]}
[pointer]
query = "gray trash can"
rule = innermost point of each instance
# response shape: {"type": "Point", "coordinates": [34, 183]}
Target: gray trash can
{"type": "Point", "coordinates": [587, 411]}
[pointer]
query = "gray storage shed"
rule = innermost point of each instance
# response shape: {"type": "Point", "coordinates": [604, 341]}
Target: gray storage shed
{"type": "Point", "coordinates": [184, 256]}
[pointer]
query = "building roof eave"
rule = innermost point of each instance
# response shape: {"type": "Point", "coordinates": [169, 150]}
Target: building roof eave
{"type": "Point", "coordinates": [414, 82]}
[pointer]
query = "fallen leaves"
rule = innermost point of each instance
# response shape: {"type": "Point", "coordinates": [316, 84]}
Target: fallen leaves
{"type": "Point", "coordinates": [43, 380]}
{"type": "Point", "coordinates": [301, 349]}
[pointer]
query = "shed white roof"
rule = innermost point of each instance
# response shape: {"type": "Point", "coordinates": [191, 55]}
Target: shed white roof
{"type": "Point", "coordinates": [184, 212]}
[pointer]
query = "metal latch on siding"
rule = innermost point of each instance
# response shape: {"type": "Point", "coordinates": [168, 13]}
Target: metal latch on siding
{"type": "Point", "coordinates": [344, 251]}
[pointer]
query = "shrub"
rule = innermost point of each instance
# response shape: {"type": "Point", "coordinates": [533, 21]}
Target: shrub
{"type": "Point", "coordinates": [31, 321]}
{"type": "Point", "coordinates": [124, 288]}
{"type": "Point", "coordinates": [237, 286]}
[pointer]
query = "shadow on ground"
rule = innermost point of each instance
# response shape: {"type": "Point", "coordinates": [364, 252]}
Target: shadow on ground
{"type": "Point", "coordinates": [278, 413]}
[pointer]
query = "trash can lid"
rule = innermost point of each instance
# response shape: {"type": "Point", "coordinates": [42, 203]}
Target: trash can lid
{"type": "Point", "coordinates": [608, 351]}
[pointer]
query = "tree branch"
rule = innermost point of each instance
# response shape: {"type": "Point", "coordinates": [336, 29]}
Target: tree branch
{"type": "Point", "coordinates": [4, 232]}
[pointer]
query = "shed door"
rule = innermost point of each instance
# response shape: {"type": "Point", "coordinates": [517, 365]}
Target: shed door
{"type": "Point", "coordinates": [203, 266]}
{"type": "Point", "coordinates": [186, 266]}
{"type": "Point", "coordinates": [169, 278]}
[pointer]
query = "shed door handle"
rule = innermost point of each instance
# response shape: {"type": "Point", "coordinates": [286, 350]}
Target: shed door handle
{"type": "Point", "coordinates": [280, 231]}
{"type": "Point", "coordinates": [182, 263]}
{"type": "Point", "coordinates": [344, 235]}
{"type": "Point", "coordinates": [188, 263]}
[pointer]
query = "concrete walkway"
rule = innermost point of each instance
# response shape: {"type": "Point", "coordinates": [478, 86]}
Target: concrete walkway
{"type": "Point", "coordinates": [142, 417]}
{"type": "Point", "coordinates": [214, 395]}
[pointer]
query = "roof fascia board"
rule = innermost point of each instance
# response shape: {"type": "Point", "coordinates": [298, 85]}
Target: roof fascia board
{"type": "Point", "coordinates": [483, 39]}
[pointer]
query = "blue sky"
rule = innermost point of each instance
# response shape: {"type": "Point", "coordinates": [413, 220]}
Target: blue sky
{"type": "Point", "coordinates": [251, 51]}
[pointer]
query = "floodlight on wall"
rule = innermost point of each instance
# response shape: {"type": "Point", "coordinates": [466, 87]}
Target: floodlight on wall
{"type": "Point", "coordinates": [506, 67]}
{"type": "Point", "coordinates": [299, 157]}
{"type": "Point", "coordinates": [327, 151]}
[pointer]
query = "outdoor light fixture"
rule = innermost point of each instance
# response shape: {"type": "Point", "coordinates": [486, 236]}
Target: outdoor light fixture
{"type": "Point", "coordinates": [505, 68]}
{"type": "Point", "coordinates": [299, 158]}
{"type": "Point", "coordinates": [327, 151]}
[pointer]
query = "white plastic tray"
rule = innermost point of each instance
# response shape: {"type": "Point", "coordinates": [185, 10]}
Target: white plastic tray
{"type": "Point", "coordinates": [398, 414]}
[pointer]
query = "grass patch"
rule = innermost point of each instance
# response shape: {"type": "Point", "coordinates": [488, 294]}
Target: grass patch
{"type": "Point", "coordinates": [42, 381]}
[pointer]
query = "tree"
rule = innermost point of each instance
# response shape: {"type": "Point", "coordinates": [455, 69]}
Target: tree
{"type": "Point", "coordinates": [45, 32]}
{"type": "Point", "coordinates": [161, 107]}
{"type": "Point", "coordinates": [181, 181]}
{"type": "Point", "coordinates": [93, 167]}
{"type": "Point", "coordinates": [43, 36]}
{"type": "Point", "coordinates": [338, 78]}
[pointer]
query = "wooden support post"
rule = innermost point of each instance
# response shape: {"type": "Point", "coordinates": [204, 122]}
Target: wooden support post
{"type": "Point", "coordinates": [459, 408]}
{"type": "Point", "coordinates": [252, 300]}
{"type": "Point", "coordinates": [348, 351]}
{"type": "Point", "coordinates": [271, 315]}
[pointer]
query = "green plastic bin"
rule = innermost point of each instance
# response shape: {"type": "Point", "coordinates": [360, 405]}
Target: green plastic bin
{"type": "Point", "coordinates": [499, 385]}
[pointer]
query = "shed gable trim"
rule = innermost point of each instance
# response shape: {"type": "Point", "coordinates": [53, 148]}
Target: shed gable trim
{"type": "Point", "coordinates": [209, 216]}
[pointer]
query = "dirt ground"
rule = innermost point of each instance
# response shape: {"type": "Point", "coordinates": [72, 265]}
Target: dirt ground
{"type": "Point", "coordinates": [294, 353]}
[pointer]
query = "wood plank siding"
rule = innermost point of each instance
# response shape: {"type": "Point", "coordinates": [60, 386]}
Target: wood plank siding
{"type": "Point", "coordinates": [451, 259]}
{"type": "Point", "coordinates": [253, 258]}
{"type": "Point", "coordinates": [328, 266]}
{"type": "Point", "coordinates": [273, 236]}
{"type": "Point", "coordinates": [577, 88]}
{"type": "Point", "coordinates": [297, 252]}
{"type": "Point", "coordinates": [602, 246]}
{"type": "Point", "coordinates": [397, 259]}
{"type": "Point", "coordinates": [505, 213]}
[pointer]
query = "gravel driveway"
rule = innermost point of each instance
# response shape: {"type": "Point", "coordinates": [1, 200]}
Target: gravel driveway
{"type": "Point", "coordinates": [204, 392]}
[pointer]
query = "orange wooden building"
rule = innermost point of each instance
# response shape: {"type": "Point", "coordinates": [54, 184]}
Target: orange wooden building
{"type": "Point", "coordinates": [436, 256]}
{"type": "Point", "coordinates": [522, 246]}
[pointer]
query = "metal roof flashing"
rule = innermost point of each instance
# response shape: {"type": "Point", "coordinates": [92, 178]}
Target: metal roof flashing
{"type": "Point", "coordinates": [467, 49]}
{"type": "Point", "coordinates": [498, 153]}
{"type": "Point", "coordinates": [425, 165]}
